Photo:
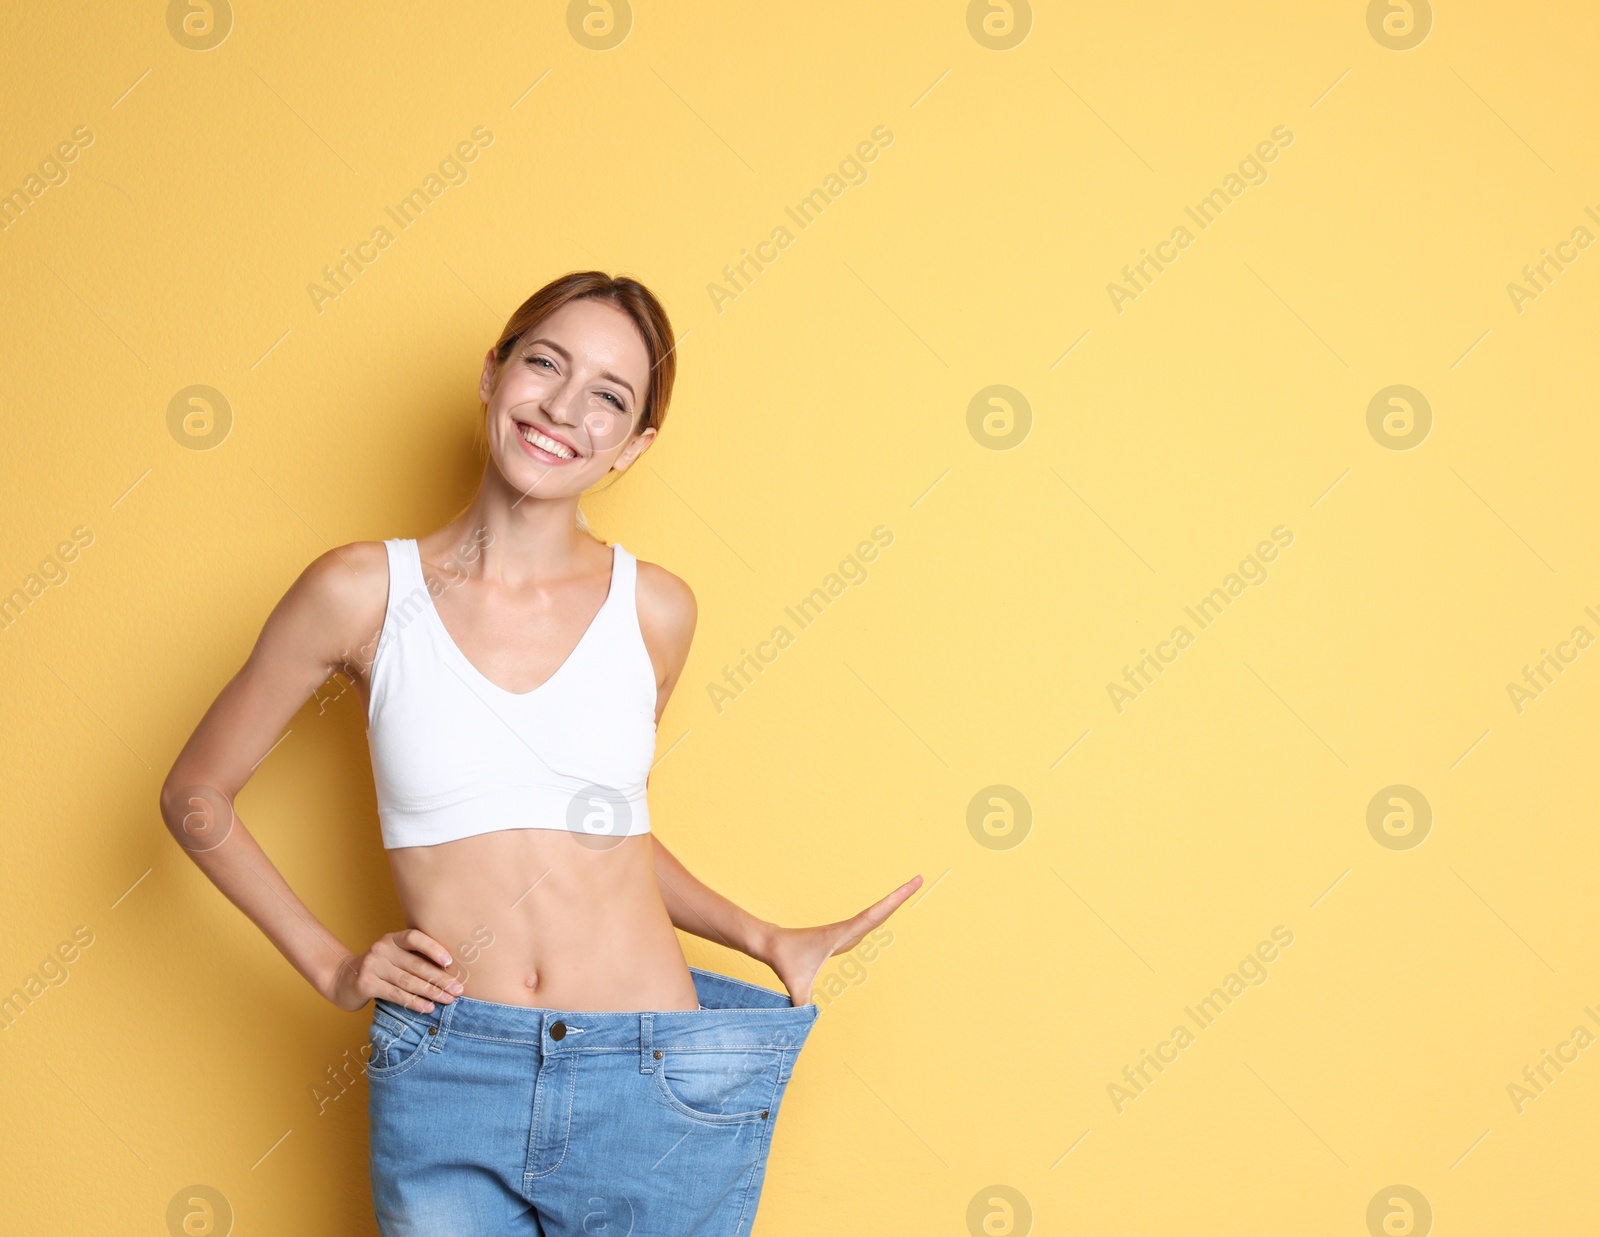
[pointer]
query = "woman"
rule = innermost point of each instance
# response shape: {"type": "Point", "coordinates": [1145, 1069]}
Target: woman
{"type": "Point", "coordinates": [579, 1076]}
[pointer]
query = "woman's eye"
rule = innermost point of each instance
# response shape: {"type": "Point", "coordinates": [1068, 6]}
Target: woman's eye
{"type": "Point", "coordinates": [533, 360]}
{"type": "Point", "coordinates": [614, 400]}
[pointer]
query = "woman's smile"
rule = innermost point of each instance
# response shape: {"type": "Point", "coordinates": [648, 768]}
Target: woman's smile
{"type": "Point", "coordinates": [545, 447]}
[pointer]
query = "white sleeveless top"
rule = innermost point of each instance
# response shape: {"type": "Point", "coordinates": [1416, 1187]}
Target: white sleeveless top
{"type": "Point", "coordinates": [454, 755]}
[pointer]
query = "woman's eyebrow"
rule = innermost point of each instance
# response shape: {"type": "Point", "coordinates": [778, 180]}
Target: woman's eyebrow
{"type": "Point", "coordinates": [567, 356]}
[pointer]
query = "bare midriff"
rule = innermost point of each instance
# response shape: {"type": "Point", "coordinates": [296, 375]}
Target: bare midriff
{"type": "Point", "coordinates": [548, 919]}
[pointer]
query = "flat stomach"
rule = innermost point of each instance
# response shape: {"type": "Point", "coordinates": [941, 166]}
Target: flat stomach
{"type": "Point", "coordinates": [538, 917]}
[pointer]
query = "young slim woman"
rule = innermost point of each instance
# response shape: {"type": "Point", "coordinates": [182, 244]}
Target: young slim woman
{"type": "Point", "coordinates": [579, 1076]}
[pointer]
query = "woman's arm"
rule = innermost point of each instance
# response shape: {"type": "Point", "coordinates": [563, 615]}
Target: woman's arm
{"type": "Point", "coordinates": [701, 910]}
{"type": "Point", "coordinates": [336, 605]}
{"type": "Point", "coordinates": [795, 955]}
{"type": "Point", "coordinates": [667, 615]}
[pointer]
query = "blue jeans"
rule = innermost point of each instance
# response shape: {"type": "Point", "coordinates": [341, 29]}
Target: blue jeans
{"type": "Point", "coordinates": [490, 1120]}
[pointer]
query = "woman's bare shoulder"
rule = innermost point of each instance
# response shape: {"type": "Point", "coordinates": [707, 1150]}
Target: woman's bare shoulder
{"type": "Point", "coordinates": [666, 596]}
{"type": "Point", "coordinates": [340, 598]}
{"type": "Point", "coordinates": [353, 574]}
{"type": "Point", "coordinates": [667, 612]}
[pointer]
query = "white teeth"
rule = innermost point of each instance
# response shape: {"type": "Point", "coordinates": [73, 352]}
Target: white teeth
{"type": "Point", "coordinates": [547, 444]}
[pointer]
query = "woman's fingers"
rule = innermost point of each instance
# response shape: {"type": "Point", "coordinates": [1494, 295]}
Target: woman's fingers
{"type": "Point", "coordinates": [442, 981]}
{"type": "Point", "coordinates": [892, 901]}
{"type": "Point", "coordinates": [421, 943]}
{"type": "Point", "coordinates": [853, 929]}
{"type": "Point", "coordinates": [886, 905]}
{"type": "Point", "coordinates": [406, 967]}
{"type": "Point", "coordinates": [414, 985]}
{"type": "Point", "coordinates": [426, 980]}
{"type": "Point", "coordinates": [411, 958]}
{"type": "Point", "coordinates": [391, 966]}
{"type": "Point", "coordinates": [401, 997]}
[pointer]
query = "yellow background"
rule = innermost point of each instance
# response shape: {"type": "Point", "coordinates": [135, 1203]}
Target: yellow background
{"type": "Point", "coordinates": [974, 1051]}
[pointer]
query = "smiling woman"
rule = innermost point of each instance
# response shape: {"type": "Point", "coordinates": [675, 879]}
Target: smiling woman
{"type": "Point", "coordinates": [537, 362]}
{"type": "Point", "coordinates": [512, 712]}
{"type": "Point", "coordinates": [605, 420]}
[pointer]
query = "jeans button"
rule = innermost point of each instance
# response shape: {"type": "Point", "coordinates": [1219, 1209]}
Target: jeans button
{"type": "Point", "coordinates": [433, 1030]}
{"type": "Point", "coordinates": [558, 1029]}
{"type": "Point", "coordinates": [656, 1054]}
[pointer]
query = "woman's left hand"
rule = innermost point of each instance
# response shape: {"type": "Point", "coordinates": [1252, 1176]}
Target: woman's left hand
{"type": "Point", "coordinates": [797, 954]}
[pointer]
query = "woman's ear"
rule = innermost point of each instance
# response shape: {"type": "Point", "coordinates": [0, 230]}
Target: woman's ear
{"type": "Point", "coordinates": [634, 450]}
{"type": "Point", "coordinates": [486, 380]}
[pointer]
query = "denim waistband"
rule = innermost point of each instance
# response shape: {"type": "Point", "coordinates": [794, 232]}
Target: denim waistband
{"type": "Point", "coordinates": [733, 1015]}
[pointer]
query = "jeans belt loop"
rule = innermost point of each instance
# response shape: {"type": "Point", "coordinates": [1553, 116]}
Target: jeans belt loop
{"type": "Point", "coordinates": [436, 1040]}
{"type": "Point", "coordinates": [645, 1030]}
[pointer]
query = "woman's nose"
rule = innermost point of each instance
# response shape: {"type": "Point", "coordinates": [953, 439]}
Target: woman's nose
{"type": "Point", "coordinates": [564, 404]}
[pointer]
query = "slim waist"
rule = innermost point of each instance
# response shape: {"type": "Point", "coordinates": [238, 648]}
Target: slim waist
{"type": "Point", "coordinates": [732, 1014]}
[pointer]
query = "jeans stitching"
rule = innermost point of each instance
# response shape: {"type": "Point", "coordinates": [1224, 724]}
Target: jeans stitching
{"type": "Point", "coordinates": [732, 1118]}
{"type": "Point", "coordinates": [753, 1149]}
{"type": "Point", "coordinates": [763, 1144]}
{"type": "Point", "coordinates": [539, 1092]}
{"type": "Point", "coordinates": [394, 1071]}
{"type": "Point", "coordinates": [566, 1049]}
{"type": "Point", "coordinates": [566, 1135]}
{"type": "Point", "coordinates": [729, 979]}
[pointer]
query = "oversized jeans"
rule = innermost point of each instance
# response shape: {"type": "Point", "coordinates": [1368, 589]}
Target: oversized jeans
{"type": "Point", "coordinates": [493, 1120]}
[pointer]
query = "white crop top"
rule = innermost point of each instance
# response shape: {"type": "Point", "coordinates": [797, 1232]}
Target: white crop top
{"type": "Point", "coordinates": [454, 755]}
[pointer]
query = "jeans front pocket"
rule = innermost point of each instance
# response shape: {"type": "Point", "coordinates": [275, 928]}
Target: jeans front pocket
{"type": "Point", "coordinates": [720, 1086]}
{"type": "Point", "coordinates": [398, 1038]}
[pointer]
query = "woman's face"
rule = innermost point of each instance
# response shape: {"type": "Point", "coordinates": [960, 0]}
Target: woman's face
{"type": "Point", "coordinates": [562, 408]}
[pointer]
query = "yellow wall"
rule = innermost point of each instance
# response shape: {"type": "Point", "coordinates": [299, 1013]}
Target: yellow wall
{"type": "Point", "coordinates": [1168, 435]}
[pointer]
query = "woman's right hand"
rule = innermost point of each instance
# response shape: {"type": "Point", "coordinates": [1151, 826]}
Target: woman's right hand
{"type": "Point", "coordinates": [400, 967]}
